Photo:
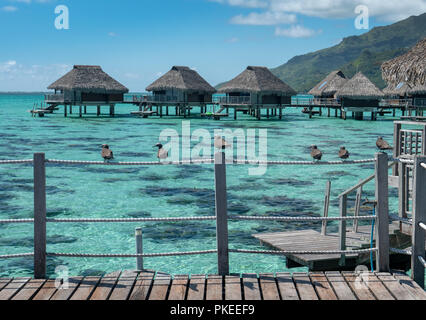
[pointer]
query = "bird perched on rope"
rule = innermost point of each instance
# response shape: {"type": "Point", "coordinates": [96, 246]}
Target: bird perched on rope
{"type": "Point", "coordinates": [382, 144]}
{"type": "Point", "coordinates": [343, 153]}
{"type": "Point", "coordinates": [316, 153]}
{"type": "Point", "coordinates": [162, 153]}
{"type": "Point", "coordinates": [220, 143]}
{"type": "Point", "coordinates": [107, 153]}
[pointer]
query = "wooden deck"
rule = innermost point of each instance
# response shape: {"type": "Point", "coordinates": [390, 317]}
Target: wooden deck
{"type": "Point", "coordinates": [148, 285]}
{"type": "Point", "coordinates": [313, 240]}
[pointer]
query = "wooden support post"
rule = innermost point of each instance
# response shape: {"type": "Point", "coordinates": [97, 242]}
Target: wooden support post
{"type": "Point", "coordinates": [357, 207]}
{"type": "Point", "coordinates": [343, 203]}
{"type": "Point", "coordinates": [70, 108]}
{"type": "Point", "coordinates": [111, 110]}
{"type": "Point", "coordinates": [328, 112]}
{"type": "Point", "coordinates": [221, 214]}
{"type": "Point", "coordinates": [80, 113]}
{"type": "Point", "coordinates": [397, 145]}
{"type": "Point", "coordinates": [65, 111]}
{"type": "Point", "coordinates": [39, 216]}
{"type": "Point", "coordinates": [382, 213]}
{"type": "Point", "coordinates": [235, 113]}
{"type": "Point", "coordinates": [98, 111]}
{"type": "Point", "coordinates": [85, 109]}
{"type": "Point", "coordinates": [280, 113]}
{"type": "Point", "coordinates": [161, 111]}
{"type": "Point", "coordinates": [419, 216]}
{"type": "Point", "coordinates": [167, 110]}
{"type": "Point", "coordinates": [258, 113]}
{"type": "Point", "coordinates": [335, 112]}
{"type": "Point", "coordinates": [139, 248]}
{"type": "Point", "coordinates": [326, 207]}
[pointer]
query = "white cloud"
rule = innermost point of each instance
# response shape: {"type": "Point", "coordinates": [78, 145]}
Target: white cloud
{"type": "Point", "coordinates": [233, 40]}
{"type": "Point", "coordinates": [112, 34]}
{"type": "Point", "coordinates": [264, 19]}
{"type": "Point", "coordinates": [296, 31]}
{"type": "Point", "coordinates": [244, 3]}
{"type": "Point", "coordinates": [9, 8]}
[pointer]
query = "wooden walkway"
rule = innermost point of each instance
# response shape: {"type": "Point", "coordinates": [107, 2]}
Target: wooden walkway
{"type": "Point", "coordinates": [312, 240]}
{"type": "Point", "coordinates": [148, 285]}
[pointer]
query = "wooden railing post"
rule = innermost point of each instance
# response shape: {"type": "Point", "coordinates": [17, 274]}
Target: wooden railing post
{"type": "Point", "coordinates": [382, 213]}
{"type": "Point", "coordinates": [139, 248]}
{"type": "Point", "coordinates": [221, 214]}
{"type": "Point", "coordinates": [39, 216]}
{"type": "Point", "coordinates": [326, 207]}
{"type": "Point", "coordinates": [357, 207]}
{"type": "Point", "coordinates": [419, 216]}
{"type": "Point", "coordinates": [343, 203]}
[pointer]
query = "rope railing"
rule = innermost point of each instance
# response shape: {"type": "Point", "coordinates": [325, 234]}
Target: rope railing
{"type": "Point", "coordinates": [285, 252]}
{"type": "Point", "coordinates": [16, 255]}
{"type": "Point", "coordinates": [16, 161]}
{"type": "Point", "coordinates": [128, 255]}
{"type": "Point", "coordinates": [407, 252]}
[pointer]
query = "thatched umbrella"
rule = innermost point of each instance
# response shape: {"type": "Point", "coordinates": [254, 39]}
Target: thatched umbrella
{"type": "Point", "coordinates": [88, 79]}
{"type": "Point", "coordinates": [359, 88]}
{"type": "Point", "coordinates": [329, 85]}
{"type": "Point", "coordinates": [410, 67]}
{"type": "Point", "coordinates": [259, 80]}
{"type": "Point", "coordinates": [182, 78]}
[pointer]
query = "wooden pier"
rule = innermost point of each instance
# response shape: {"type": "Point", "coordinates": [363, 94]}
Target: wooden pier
{"type": "Point", "coordinates": [148, 285]}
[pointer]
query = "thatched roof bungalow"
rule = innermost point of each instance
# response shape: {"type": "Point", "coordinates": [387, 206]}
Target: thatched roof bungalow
{"type": "Point", "coordinates": [87, 85]}
{"type": "Point", "coordinates": [181, 84]}
{"type": "Point", "coordinates": [259, 86]}
{"type": "Point", "coordinates": [329, 85]}
{"type": "Point", "coordinates": [359, 92]}
{"type": "Point", "coordinates": [400, 90]}
{"type": "Point", "coordinates": [409, 67]}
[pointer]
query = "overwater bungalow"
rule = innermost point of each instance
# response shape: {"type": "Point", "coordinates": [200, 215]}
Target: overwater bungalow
{"type": "Point", "coordinates": [359, 95]}
{"type": "Point", "coordinates": [327, 87]}
{"type": "Point", "coordinates": [181, 85]}
{"type": "Point", "coordinates": [257, 86]}
{"type": "Point", "coordinates": [407, 74]}
{"type": "Point", "coordinates": [86, 86]}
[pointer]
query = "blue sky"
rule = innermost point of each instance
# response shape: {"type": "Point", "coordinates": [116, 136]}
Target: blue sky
{"type": "Point", "coordinates": [136, 41]}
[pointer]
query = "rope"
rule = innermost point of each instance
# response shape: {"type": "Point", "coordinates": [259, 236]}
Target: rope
{"type": "Point", "coordinates": [130, 219]}
{"type": "Point", "coordinates": [15, 161]}
{"type": "Point", "coordinates": [407, 252]}
{"type": "Point", "coordinates": [303, 218]}
{"type": "Point", "coordinates": [283, 252]}
{"type": "Point", "coordinates": [422, 261]}
{"type": "Point", "coordinates": [423, 165]}
{"type": "Point", "coordinates": [259, 162]}
{"type": "Point", "coordinates": [17, 221]}
{"type": "Point", "coordinates": [130, 255]}
{"type": "Point", "coordinates": [18, 255]}
{"type": "Point", "coordinates": [129, 163]}
{"type": "Point", "coordinates": [422, 225]}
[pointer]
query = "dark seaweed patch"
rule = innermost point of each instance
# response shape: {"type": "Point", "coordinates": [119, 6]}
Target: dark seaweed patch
{"type": "Point", "coordinates": [291, 182]}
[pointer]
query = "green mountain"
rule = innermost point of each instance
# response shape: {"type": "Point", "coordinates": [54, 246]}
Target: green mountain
{"type": "Point", "coordinates": [363, 53]}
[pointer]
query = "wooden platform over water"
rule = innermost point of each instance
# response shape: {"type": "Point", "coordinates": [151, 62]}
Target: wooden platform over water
{"type": "Point", "coordinates": [148, 285]}
{"type": "Point", "coordinates": [311, 240]}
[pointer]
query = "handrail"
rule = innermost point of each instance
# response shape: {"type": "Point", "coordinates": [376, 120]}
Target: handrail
{"type": "Point", "coordinates": [361, 183]}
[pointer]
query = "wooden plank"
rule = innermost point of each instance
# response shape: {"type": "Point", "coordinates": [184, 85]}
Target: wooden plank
{"type": "Point", "coordinates": [322, 286]}
{"type": "Point", "coordinates": [251, 287]}
{"type": "Point", "coordinates": [304, 286]}
{"type": "Point", "coordinates": [342, 289]}
{"type": "Point", "coordinates": [160, 287]}
{"type": "Point", "coordinates": [124, 285]}
{"type": "Point", "coordinates": [4, 282]}
{"type": "Point", "coordinates": [86, 287]}
{"type": "Point", "coordinates": [214, 287]}
{"type": "Point", "coordinates": [196, 287]}
{"type": "Point", "coordinates": [29, 289]}
{"type": "Point", "coordinates": [269, 287]}
{"type": "Point", "coordinates": [233, 288]}
{"type": "Point", "coordinates": [46, 291]}
{"type": "Point", "coordinates": [377, 287]}
{"type": "Point", "coordinates": [142, 286]}
{"type": "Point", "coordinates": [286, 286]}
{"type": "Point", "coordinates": [12, 288]}
{"type": "Point", "coordinates": [411, 286]}
{"type": "Point", "coordinates": [393, 285]}
{"type": "Point", "coordinates": [105, 286]}
{"type": "Point", "coordinates": [178, 288]}
{"type": "Point", "coordinates": [359, 287]}
{"type": "Point", "coordinates": [66, 293]}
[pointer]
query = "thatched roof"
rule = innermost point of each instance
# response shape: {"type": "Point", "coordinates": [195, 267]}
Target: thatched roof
{"type": "Point", "coordinates": [88, 78]}
{"type": "Point", "coordinates": [257, 79]}
{"type": "Point", "coordinates": [328, 86]}
{"type": "Point", "coordinates": [419, 89]}
{"type": "Point", "coordinates": [182, 78]}
{"type": "Point", "coordinates": [410, 67]}
{"type": "Point", "coordinates": [359, 87]}
{"type": "Point", "coordinates": [401, 89]}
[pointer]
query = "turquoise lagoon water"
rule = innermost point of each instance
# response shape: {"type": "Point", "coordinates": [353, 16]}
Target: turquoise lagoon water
{"type": "Point", "coordinates": [167, 191]}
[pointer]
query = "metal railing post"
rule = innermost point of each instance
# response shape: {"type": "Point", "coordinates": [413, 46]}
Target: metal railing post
{"type": "Point", "coordinates": [221, 214]}
{"type": "Point", "coordinates": [139, 248]}
{"type": "Point", "coordinates": [39, 216]}
{"type": "Point", "coordinates": [382, 213]}
{"type": "Point", "coordinates": [357, 207]}
{"type": "Point", "coordinates": [419, 216]}
{"type": "Point", "coordinates": [343, 203]}
{"type": "Point", "coordinates": [326, 207]}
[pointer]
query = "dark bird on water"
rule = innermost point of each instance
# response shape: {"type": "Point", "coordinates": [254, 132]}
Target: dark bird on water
{"type": "Point", "coordinates": [107, 153]}
{"type": "Point", "coordinates": [343, 153]}
{"type": "Point", "coordinates": [220, 143]}
{"type": "Point", "coordinates": [162, 153]}
{"type": "Point", "coordinates": [382, 144]}
{"type": "Point", "coordinates": [316, 153]}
